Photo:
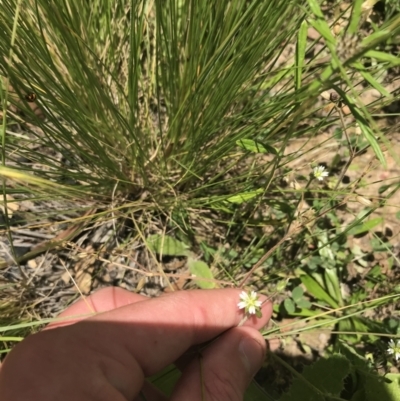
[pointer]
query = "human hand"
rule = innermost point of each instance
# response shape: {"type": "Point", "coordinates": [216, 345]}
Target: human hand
{"type": "Point", "coordinates": [108, 356]}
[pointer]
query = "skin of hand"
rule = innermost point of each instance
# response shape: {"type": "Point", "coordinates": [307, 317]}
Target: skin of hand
{"type": "Point", "coordinates": [107, 357]}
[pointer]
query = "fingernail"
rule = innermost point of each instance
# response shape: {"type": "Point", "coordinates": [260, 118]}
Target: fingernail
{"type": "Point", "coordinates": [252, 355]}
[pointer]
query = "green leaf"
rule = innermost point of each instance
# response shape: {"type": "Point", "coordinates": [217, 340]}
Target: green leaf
{"type": "Point", "coordinates": [357, 360]}
{"type": "Point", "coordinates": [374, 83]}
{"type": "Point", "coordinates": [256, 146]}
{"type": "Point", "coordinates": [332, 284]}
{"type": "Point", "coordinates": [365, 226]}
{"type": "Point", "coordinates": [166, 245]}
{"type": "Point", "coordinates": [364, 213]}
{"type": "Point", "coordinates": [303, 303]}
{"type": "Point", "coordinates": [289, 306]}
{"type": "Point", "coordinates": [300, 53]}
{"type": "Point", "coordinates": [383, 57]}
{"type": "Point", "coordinates": [380, 35]}
{"type": "Point", "coordinates": [363, 124]}
{"type": "Point", "coordinates": [323, 29]}
{"type": "Point", "coordinates": [315, 8]}
{"type": "Point", "coordinates": [370, 137]}
{"type": "Point", "coordinates": [324, 249]}
{"type": "Point", "coordinates": [317, 291]}
{"type": "Point", "coordinates": [331, 384]}
{"type": "Point", "coordinates": [371, 80]}
{"type": "Point", "coordinates": [200, 269]}
{"type": "Point", "coordinates": [383, 388]}
{"type": "Point", "coordinates": [320, 24]}
{"type": "Point", "coordinates": [297, 293]}
{"type": "Point", "coordinates": [281, 285]}
{"type": "Point", "coordinates": [355, 16]}
{"type": "Point", "coordinates": [245, 196]}
{"type": "Point", "coordinates": [320, 381]}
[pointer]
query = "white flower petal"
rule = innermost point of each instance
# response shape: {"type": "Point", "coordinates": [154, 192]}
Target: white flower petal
{"type": "Point", "coordinates": [249, 302]}
{"type": "Point", "coordinates": [320, 172]}
{"type": "Point", "coordinates": [394, 349]}
{"type": "Point", "coordinates": [243, 295]}
{"type": "Point", "coordinates": [241, 305]}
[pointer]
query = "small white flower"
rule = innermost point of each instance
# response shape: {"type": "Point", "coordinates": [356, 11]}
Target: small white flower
{"type": "Point", "coordinates": [394, 349]}
{"type": "Point", "coordinates": [319, 173]}
{"type": "Point", "coordinates": [250, 303]}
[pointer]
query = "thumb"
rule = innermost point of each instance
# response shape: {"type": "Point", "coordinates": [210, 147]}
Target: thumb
{"type": "Point", "coordinates": [224, 369]}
